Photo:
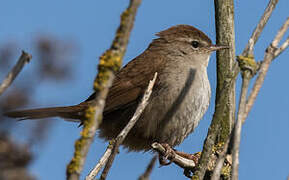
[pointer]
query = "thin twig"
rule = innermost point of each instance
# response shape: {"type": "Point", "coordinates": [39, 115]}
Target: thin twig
{"type": "Point", "coordinates": [282, 48]}
{"type": "Point", "coordinates": [120, 138]}
{"type": "Point", "coordinates": [149, 169]}
{"type": "Point", "coordinates": [109, 63]}
{"type": "Point", "coordinates": [263, 21]}
{"type": "Point", "coordinates": [112, 149]}
{"type": "Point", "coordinates": [271, 53]}
{"type": "Point", "coordinates": [100, 164]}
{"type": "Point", "coordinates": [278, 38]}
{"type": "Point", "coordinates": [280, 34]}
{"type": "Point", "coordinates": [246, 77]}
{"type": "Point", "coordinates": [23, 59]}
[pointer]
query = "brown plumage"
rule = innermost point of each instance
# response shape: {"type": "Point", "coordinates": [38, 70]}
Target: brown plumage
{"type": "Point", "coordinates": [179, 99]}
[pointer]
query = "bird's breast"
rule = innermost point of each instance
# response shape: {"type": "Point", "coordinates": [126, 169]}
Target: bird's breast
{"type": "Point", "coordinates": [177, 106]}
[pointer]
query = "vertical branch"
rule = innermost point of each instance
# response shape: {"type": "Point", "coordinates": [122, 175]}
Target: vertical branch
{"type": "Point", "coordinates": [246, 77]}
{"type": "Point", "coordinates": [225, 34]}
{"type": "Point", "coordinates": [109, 63]}
{"type": "Point", "coordinates": [225, 93]}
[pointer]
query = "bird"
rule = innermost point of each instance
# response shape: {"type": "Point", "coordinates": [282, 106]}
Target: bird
{"type": "Point", "coordinates": [179, 99]}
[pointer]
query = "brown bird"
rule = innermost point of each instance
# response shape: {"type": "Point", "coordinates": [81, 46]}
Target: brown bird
{"type": "Point", "coordinates": [179, 98]}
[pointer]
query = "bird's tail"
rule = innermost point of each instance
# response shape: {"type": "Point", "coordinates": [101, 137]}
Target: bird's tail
{"type": "Point", "coordinates": [67, 112]}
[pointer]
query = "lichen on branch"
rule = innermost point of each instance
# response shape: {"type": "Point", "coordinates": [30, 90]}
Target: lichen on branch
{"type": "Point", "coordinates": [109, 63]}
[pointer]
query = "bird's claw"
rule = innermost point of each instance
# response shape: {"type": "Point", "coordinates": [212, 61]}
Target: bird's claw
{"type": "Point", "coordinates": [166, 158]}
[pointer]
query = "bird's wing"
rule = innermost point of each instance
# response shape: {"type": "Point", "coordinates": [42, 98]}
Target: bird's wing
{"type": "Point", "coordinates": [131, 81]}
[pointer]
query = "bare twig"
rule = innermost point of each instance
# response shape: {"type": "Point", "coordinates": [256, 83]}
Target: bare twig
{"type": "Point", "coordinates": [148, 171]}
{"type": "Point", "coordinates": [177, 159]}
{"type": "Point", "coordinates": [100, 164]}
{"type": "Point", "coordinates": [280, 33]}
{"type": "Point", "coordinates": [271, 53]}
{"type": "Point", "coordinates": [109, 63]}
{"type": "Point", "coordinates": [282, 48]}
{"type": "Point", "coordinates": [23, 59]}
{"type": "Point", "coordinates": [112, 149]}
{"type": "Point", "coordinates": [119, 139]}
{"type": "Point", "coordinates": [246, 75]}
{"type": "Point", "coordinates": [248, 51]}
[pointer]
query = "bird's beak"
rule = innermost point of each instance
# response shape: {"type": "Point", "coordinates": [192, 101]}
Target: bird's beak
{"type": "Point", "coordinates": [218, 47]}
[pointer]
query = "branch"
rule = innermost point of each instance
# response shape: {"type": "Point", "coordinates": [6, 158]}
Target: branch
{"type": "Point", "coordinates": [272, 52]}
{"type": "Point", "coordinates": [112, 149]}
{"type": "Point", "coordinates": [148, 171]}
{"type": "Point", "coordinates": [225, 91]}
{"type": "Point", "coordinates": [23, 59]}
{"type": "Point", "coordinates": [109, 63]}
{"type": "Point", "coordinates": [225, 35]}
{"type": "Point", "coordinates": [282, 48]}
{"type": "Point", "coordinates": [248, 51]}
{"type": "Point", "coordinates": [246, 77]}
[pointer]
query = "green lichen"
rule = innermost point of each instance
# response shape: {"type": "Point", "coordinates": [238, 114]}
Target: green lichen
{"type": "Point", "coordinates": [88, 122]}
{"type": "Point", "coordinates": [226, 171]}
{"type": "Point", "coordinates": [120, 39]}
{"type": "Point", "coordinates": [248, 59]}
{"type": "Point", "coordinates": [195, 177]}
{"type": "Point", "coordinates": [247, 63]}
{"type": "Point", "coordinates": [218, 147]}
{"type": "Point", "coordinates": [109, 62]}
{"type": "Point", "coordinates": [224, 128]}
{"type": "Point", "coordinates": [74, 165]}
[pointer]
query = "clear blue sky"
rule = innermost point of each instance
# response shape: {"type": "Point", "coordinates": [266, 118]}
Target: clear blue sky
{"type": "Point", "coordinates": [91, 25]}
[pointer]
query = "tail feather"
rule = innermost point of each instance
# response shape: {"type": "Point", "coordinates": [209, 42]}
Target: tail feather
{"type": "Point", "coordinates": [68, 112]}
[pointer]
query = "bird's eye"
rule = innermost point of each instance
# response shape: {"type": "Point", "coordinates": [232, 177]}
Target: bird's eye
{"type": "Point", "coordinates": [195, 44]}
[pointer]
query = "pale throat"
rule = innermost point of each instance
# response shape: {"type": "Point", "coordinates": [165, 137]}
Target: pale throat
{"type": "Point", "coordinates": [201, 60]}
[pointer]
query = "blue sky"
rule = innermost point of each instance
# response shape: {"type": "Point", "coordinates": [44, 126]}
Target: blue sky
{"type": "Point", "coordinates": [91, 26]}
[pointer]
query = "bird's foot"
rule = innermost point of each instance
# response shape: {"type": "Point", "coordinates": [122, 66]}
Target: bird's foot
{"type": "Point", "coordinates": [166, 158]}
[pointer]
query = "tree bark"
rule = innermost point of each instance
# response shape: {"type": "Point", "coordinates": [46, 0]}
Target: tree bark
{"type": "Point", "coordinates": [225, 34]}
